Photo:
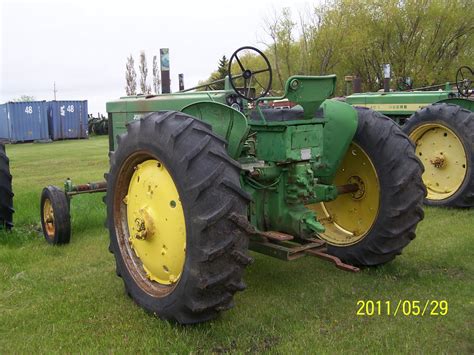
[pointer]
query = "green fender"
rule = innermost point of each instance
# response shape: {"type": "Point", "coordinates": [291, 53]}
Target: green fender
{"type": "Point", "coordinates": [226, 122]}
{"type": "Point", "coordinates": [338, 132]}
{"type": "Point", "coordinates": [464, 103]}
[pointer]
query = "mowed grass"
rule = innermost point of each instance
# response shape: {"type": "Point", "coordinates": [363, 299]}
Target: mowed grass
{"type": "Point", "coordinates": [68, 299]}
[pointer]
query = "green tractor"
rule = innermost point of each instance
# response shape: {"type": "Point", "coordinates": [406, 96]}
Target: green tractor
{"type": "Point", "coordinates": [441, 124]}
{"type": "Point", "coordinates": [198, 178]}
{"type": "Point", "coordinates": [6, 192]}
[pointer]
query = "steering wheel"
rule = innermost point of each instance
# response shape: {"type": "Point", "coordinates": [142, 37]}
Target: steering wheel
{"type": "Point", "coordinates": [261, 75]}
{"type": "Point", "coordinates": [464, 80]}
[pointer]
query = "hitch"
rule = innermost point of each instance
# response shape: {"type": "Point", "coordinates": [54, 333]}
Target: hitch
{"type": "Point", "coordinates": [282, 246]}
{"type": "Point", "coordinates": [92, 187]}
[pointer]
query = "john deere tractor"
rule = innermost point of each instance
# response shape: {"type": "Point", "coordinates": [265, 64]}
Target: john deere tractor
{"type": "Point", "coordinates": [6, 193]}
{"type": "Point", "coordinates": [197, 178]}
{"type": "Point", "coordinates": [441, 124]}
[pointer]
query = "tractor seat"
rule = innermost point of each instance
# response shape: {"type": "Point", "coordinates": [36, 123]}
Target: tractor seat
{"type": "Point", "coordinates": [276, 115]}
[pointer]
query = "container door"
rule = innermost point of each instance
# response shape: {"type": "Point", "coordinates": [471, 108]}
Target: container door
{"type": "Point", "coordinates": [4, 123]}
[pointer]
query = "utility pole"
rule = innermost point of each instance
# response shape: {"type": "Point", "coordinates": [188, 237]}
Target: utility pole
{"type": "Point", "coordinates": [55, 91]}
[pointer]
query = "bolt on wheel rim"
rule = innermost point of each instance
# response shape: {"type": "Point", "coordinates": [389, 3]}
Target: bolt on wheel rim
{"type": "Point", "coordinates": [48, 218]}
{"type": "Point", "coordinates": [155, 223]}
{"type": "Point", "coordinates": [349, 218]}
{"type": "Point", "coordinates": [444, 158]}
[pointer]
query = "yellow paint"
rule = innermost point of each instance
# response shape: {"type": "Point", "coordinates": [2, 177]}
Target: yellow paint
{"type": "Point", "coordinates": [48, 215]}
{"type": "Point", "coordinates": [349, 218]}
{"type": "Point", "coordinates": [393, 107]}
{"type": "Point", "coordinates": [443, 157]}
{"type": "Point", "coordinates": [156, 222]}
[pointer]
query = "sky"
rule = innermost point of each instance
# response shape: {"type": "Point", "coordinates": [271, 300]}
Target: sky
{"type": "Point", "coordinates": [82, 45]}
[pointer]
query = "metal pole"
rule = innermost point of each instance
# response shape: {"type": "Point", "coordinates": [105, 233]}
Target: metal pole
{"type": "Point", "coordinates": [357, 85]}
{"type": "Point", "coordinates": [181, 82]}
{"type": "Point", "coordinates": [165, 71]}
{"type": "Point", "coordinates": [386, 77]}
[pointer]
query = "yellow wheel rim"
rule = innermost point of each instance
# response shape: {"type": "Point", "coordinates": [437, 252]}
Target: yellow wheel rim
{"type": "Point", "coordinates": [444, 158]}
{"type": "Point", "coordinates": [349, 218]}
{"type": "Point", "coordinates": [155, 220]}
{"type": "Point", "coordinates": [48, 216]}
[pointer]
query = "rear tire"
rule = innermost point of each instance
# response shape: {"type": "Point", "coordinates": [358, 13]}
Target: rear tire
{"type": "Point", "coordinates": [452, 183]}
{"type": "Point", "coordinates": [394, 194]}
{"type": "Point", "coordinates": [207, 189]}
{"type": "Point", "coordinates": [6, 191]}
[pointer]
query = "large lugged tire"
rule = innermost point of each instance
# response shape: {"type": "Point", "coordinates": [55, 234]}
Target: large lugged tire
{"type": "Point", "coordinates": [372, 225]}
{"type": "Point", "coordinates": [6, 192]}
{"type": "Point", "coordinates": [171, 191]}
{"type": "Point", "coordinates": [444, 138]}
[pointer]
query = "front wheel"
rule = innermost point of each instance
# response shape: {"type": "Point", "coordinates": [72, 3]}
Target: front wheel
{"type": "Point", "coordinates": [55, 217]}
{"type": "Point", "coordinates": [172, 189]}
{"type": "Point", "coordinates": [372, 225]}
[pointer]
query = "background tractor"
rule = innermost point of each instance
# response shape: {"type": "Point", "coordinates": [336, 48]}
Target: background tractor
{"type": "Point", "coordinates": [199, 177]}
{"type": "Point", "coordinates": [441, 124]}
{"type": "Point", "coordinates": [6, 192]}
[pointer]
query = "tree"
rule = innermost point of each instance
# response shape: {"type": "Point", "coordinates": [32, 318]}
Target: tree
{"type": "Point", "coordinates": [156, 76]}
{"type": "Point", "coordinates": [223, 68]}
{"type": "Point", "coordinates": [24, 98]}
{"type": "Point", "coordinates": [142, 67]}
{"type": "Point", "coordinates": [130, 77]}
{"type": "Point", "coordinates": [221, 73]}
{"type": "Point", "coordinates": [425, 40]}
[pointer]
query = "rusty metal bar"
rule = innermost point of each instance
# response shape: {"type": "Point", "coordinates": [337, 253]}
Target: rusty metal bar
{"type": "Point", "coordinates": [277, 236]}
{"type": "Point", "coordinates": [345, 189]}
{"type": "Point", "coordinates": [321, 253]}
{"type": "Point", "coordinates": [92, 187]}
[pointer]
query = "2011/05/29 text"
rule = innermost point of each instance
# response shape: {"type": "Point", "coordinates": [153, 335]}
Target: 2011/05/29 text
{"type": "Point", "coordinates": [407, 308]}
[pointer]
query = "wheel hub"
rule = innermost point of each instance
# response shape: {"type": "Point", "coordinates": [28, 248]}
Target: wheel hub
{"type": "Point", "coordinates": [247, 74]}
{"type": "Point", "coordinates": [48, 214]}
{"type": "Point", "coordinates": [357, 180]}
{"type": "Point", "coordinates": [439, 161]}
{"type": "Point", "coordinates": [443, 157]}
{"type": "Point", "coordinates": [156, 224]}
{"type": "Point", "coordinates": [349, 218]}
{"type": "Point", "coordinates": [140, 228]}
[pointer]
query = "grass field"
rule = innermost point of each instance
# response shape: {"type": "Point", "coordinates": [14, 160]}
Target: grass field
{"type": "Point", "coordinates": [68, 299]}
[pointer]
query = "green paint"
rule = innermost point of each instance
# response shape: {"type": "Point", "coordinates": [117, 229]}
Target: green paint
{"type": "Point", "coordinates": [337, 136]}
{"type": "Point", "coordinates": [286, 164]}
{"type": "Point", "coordinates": [467, 104]}
{"type": "Point", "coordinates": [225, 121]}
{"type": "Point", "coordinates": [405, 103]}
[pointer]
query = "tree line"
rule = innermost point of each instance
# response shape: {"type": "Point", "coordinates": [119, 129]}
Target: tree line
{"type": "Point", "coordinates": [424, 41]}
{"type": "Point", "coordinates": [131, 76]}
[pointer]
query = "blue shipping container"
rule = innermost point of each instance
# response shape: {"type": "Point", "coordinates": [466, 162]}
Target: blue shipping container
{"type": "Point", "coordinates": [68, 119]}
{"type": "Point", "coordinates": [4, 130]}
{"type": "Point", "coordinates": [24, 121]}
